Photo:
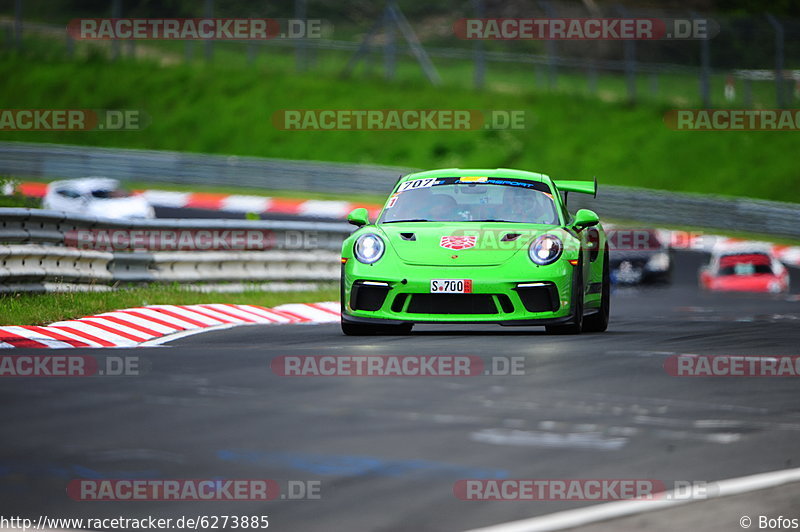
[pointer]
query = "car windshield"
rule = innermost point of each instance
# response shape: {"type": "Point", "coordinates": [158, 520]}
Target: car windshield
{"type": "Point", "coordinates": [109, 193]}
{"type": "Point", "coordinates": [471, 199]}
{"type": "Point", "coordinates": [751, 264]}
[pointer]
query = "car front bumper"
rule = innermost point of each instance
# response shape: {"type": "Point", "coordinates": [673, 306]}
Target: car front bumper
{"type": "Point", "coordinates": [508, 296]}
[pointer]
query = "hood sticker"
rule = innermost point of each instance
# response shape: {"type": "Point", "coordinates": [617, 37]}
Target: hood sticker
{"type": "Point", "coordinates": [458, 242]}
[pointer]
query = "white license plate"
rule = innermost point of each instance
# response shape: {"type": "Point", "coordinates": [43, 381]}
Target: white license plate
{"type": "Point", "coordinates": [451, 286]}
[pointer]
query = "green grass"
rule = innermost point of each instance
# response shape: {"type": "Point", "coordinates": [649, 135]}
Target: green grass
{"type": "Point", "coordinates": [41, 309]}
{"type": "Point", "coordinates": [227, 108]}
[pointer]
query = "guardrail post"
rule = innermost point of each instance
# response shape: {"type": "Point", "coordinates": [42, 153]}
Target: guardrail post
{"type": "Point", "coordinates": [747, 92]}
{"type": "Point", "coordinates": [550, 47]}
{"type": "Point", "coordinates": [390, 48]}
{"type": "Point", "coordinates": [629, 51]}
{"type": "Point", "coordinates": [705, 69]}
{"type": "Point", "coordinates": [70, 44]}
{"type": "Point", "coordinates": [478, 56]}
{"type": "Point", "coordinates": [300, 47]}
{"type": "Point", "coordinates": [591, 78]}
{"type": "Point", "coordinates": [209, 44]}
{"type": "Point", "coordinates": [654, 84]}
{"type": "Point", "coordinates": [779, 37]}
{"type": "Point", "coordinates": [116, 12]}
{"type": "Point", "coordinates": [18, 24]}
{"type": "Point", "coordinates": [251, 52]}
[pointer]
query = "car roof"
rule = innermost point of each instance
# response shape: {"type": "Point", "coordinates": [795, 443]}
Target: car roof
{"type": "Point", "coordinates": [86, 184]}
{"type": "Point", "coordinates": [478, 172]}
{"type": "Point", "coordinates": [742, 248]}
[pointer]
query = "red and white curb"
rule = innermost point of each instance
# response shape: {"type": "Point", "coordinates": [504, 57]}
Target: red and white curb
{"type": "Point", "coordinates": [234, 202]}
{"type": "Point", "coordinates": [155, 324]}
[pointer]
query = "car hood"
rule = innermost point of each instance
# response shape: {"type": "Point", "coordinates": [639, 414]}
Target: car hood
{"type": "Point", "coordinates": [474, 244]}
{"type": "Point", "coordinates": [131, 207]}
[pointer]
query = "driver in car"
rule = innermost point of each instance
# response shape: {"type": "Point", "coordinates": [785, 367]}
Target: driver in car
{"type": "Point", "coordinates": [529, 206]}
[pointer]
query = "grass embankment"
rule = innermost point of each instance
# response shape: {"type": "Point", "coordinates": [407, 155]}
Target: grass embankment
{"type": "Point", "coordinates": [228, 108]}
{"type": "Point", "coordinates": [41, 309]}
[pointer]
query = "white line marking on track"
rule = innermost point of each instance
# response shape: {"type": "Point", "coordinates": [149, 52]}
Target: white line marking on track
{"type": "Point", "coordinates": [184, 334]}
{"type": "Point", "coordinates": [613, 510]}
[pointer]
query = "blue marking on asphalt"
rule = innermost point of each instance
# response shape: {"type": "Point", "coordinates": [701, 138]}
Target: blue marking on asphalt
{"type": "Point", "coordinates": [349, 465]}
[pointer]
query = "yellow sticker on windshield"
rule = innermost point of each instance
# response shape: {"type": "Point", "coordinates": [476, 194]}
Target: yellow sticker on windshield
{"type": "Point", "coordinates": [482, 179]}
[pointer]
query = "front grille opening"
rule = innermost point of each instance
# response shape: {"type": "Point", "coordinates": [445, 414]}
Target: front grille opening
{"type": "Point", "coordinates": [505, 303]}
{"type": "Point", "coordinates": [399, 301]}
{"type": "Point", "coordinates": [542, 298]}
{"type": "Point", "coordinates": [452, 304]}
{"type": "Point", "coordinates": [367, 297]}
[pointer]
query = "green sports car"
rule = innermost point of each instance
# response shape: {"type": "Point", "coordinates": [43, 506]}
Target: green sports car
{"type": "Point", "coordinates": [476, 246]}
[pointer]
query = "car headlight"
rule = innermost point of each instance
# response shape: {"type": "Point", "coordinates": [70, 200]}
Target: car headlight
{"type": "Point", "coordinates": [369, 248]}
{"type": "Point", "coordinates": [658, 262]}
{"type": "Point", "coordinates": [545, 250]}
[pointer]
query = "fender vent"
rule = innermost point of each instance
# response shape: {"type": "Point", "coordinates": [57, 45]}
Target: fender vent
{"type": "Point", "coordinates": [510, 237]}
{"type": "Point", "coordinates": [408, 236]}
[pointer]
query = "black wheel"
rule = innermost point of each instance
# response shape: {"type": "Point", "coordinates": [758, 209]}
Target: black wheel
{"type": "Point", "coordinates": [576, 325]}
{"type": "Point", "coordinates": [598, 322]}
{"type": "Point", "coordinates": [362, 329]}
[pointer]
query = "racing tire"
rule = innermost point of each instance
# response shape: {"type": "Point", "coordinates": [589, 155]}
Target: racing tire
{"type": "Point", "coordinates": [598, 322]}
{"type": "Point", "coordinates": [576, 325]}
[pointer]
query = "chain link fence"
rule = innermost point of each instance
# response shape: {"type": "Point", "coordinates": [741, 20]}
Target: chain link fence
{"type": "Point", "coordinates": [751, 62]}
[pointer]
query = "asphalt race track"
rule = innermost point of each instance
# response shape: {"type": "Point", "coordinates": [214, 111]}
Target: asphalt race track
{"type": "Point", "coordinates": [388, 450]}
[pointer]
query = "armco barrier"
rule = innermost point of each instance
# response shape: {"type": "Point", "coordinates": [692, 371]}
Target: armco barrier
{"type": "Point", "coordinates": [43, 250]}
{"type": "Point", "coordinates": [211, 266]}
{"type": "Point", "coordinates": [47, 161]}
{"type": "Point", "coordinates": [35, 264]}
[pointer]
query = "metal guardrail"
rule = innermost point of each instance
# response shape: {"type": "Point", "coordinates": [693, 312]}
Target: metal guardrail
{"type": "Point", "coordinates": [31, 160]}
{"type": "Point", "coordinates": [35, 160]}
{"type": "Point", "coordinates": [693, 210]}
{"type": "Point", "coordinates": [44, 250]}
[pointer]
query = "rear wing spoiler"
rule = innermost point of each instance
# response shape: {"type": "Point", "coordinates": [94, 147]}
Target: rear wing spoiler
{"type": "Point", "coordinates": [584, 187]}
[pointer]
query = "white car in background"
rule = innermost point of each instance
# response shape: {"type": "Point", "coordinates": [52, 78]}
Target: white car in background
{"type": "Point", "coordinates": [96, 196]}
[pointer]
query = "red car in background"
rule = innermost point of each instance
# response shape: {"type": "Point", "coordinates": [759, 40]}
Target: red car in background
{"type": "Point", "coordinates": [745, 268]}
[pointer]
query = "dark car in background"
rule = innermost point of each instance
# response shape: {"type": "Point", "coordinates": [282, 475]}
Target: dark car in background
{"type": "Point", "coordinates": [639, 256]}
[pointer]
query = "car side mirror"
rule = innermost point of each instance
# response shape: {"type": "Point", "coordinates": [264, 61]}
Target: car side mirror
{"type": "Point", "coordinates": [358, 217]}
{"type": "Point", "coordinates": [585, 218]}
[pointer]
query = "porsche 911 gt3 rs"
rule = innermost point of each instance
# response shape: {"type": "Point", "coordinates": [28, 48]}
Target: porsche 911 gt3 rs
{"type": "Point", "coordinates": [476, 246]}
